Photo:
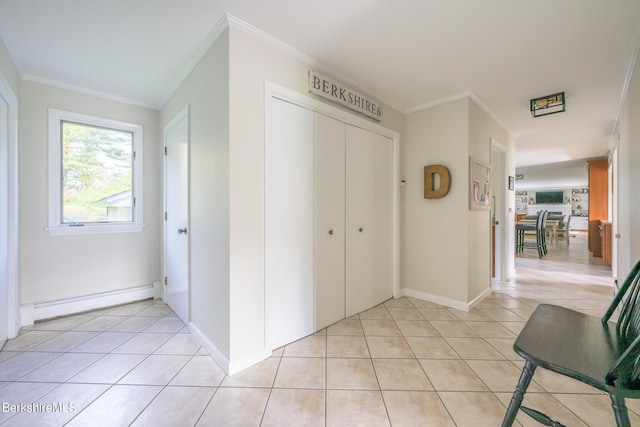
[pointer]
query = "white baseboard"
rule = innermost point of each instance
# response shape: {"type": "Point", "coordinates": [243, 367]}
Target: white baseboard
{"type": "Point", "coordinates": [29, 313]}
{"type": "Point", "coordinates": [458, 305]}
{"type": "Point", "coordinates": [477, 300]}
{"type": "Point", "coordinates": [246, 362]}
{"type": "Point", "coordinates": [210, 348]}
{"type": "Point", "coordinates": [227, 366]}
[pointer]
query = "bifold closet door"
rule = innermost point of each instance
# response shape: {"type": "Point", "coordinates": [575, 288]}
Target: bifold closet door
{"type": "Point", "coordinates": [382, 218]}
{"type": "Point", "coordinates": [369, 180]}
{"type": "Point", "coordinates": [329, 217]}
{"type": "Point", "coordinates": [289, 223]}
{"type": "Point", "coordinates": [359, 220]}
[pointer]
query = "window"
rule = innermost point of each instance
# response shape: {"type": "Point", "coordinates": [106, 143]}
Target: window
{"type": "Point", "coordinates": [95, 175]}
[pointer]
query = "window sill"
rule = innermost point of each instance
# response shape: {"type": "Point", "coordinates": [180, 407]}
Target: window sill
{"type": "Point", "coordinates": [65, 230]}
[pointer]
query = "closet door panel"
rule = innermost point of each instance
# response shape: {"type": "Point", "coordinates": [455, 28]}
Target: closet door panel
{"type": "Point", "coordinates": [329, 220]}
{"type": "Point", "coordinates": [289, 223]}
{"type": "Point", "coordinates": [382, 218]}
{"type": "Point", "coordinates": [359, 220]}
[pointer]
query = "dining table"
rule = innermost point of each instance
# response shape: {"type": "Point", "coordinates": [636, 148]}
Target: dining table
{"type": "Point", "coordinates": [551, 228]}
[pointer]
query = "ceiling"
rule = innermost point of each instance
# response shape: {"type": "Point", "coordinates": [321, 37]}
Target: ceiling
{"type": "Point", "coordinates": [409, 53]}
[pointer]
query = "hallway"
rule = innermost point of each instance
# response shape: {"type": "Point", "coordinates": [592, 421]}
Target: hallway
{"type": "Point", "coordinates": [568, 276]}
{"type": "Point", "coordinates": [406, 362]}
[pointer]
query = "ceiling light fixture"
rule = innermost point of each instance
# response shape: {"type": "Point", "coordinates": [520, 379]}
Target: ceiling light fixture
{"type": "Point", "coordinates": [549, 104]}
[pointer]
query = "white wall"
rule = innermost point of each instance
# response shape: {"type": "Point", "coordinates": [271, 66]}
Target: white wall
{"type": "Point", "coordinates": [54, 268]}
{"type": "Point", "coordinates": [253, 61]}
{"type": "Point", "coordinates": [435, 236]}
{"type": "Point", "coordinates": [555, 175]}
{"type": "Point", "coordinates": [447, 247]}
{"type": "Point", "coordinates": [8, 70]}
{"type": "Point", "coordinates": [628, 179]}
{"type": "Point", "coordinates": [482, 128]}
{"type": "Point", "coordinates": [9, 236]}
{"type": "Point", "coordinates": [206, 91]}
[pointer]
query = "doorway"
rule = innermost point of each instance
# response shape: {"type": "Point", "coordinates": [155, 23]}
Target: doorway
{"type": "Point", "coordinates": [498, 210]}
{"type": "Point", "coordinates": [176, 214]}
{"type": "Point", "coordinates": [9, 292]}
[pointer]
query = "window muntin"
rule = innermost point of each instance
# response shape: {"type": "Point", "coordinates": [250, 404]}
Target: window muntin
{"type": "Point", "coordinates": [95, 175]}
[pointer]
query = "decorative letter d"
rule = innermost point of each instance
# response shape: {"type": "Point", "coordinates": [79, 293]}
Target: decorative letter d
{"type": "Point", "coordinates": [430, 192]}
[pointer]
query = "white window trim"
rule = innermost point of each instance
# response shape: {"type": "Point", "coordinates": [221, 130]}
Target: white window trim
{"type": "Point", "coordinates": [56, 227]}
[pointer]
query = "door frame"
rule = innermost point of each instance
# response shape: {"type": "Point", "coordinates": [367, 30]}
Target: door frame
{"type": "Point", "coordinates": [183, 113]}
{"type": "Point", "coordinates": [500, 189]}
{"type": "Point", "coordinates": [10, 193]}
{"type": "Point", "coordinates": [273, 90]}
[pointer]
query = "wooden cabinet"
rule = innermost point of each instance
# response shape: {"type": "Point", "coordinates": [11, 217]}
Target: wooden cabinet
{"type": "Point", "coordinates": [598, 202]}
{"type": "Point", "coordinates": [605, 235]}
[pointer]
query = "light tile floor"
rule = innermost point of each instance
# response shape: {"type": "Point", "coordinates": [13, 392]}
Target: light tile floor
{"type": "Point", "coordinates": [406, 362]}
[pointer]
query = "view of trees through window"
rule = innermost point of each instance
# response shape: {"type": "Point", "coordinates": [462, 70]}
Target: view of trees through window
{"type": "Point", "coordinates": [97, 165]}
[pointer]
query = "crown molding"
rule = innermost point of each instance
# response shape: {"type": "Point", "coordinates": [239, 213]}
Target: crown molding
{"type": "Point", "coordinates": [633, 57]}
{"type": "Point", "coordinates": [86, 91]}
{"type": "Point", "coordinates": [488, 111]}
{"type": "Point", "coordinates": [461, 95]}
{"type": "Point", "coordinates": [437, 102]}
{"type": "Point", "coordinates": [302, 57]}
{"type": "Point", "coordinates": [203, 48]}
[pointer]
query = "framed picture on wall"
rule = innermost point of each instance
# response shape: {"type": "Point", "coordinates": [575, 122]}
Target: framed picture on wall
{"type": "Point", "coordinates": [479, 185]}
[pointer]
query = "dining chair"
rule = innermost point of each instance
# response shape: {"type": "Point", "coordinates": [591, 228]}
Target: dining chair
{"type": "Point", "coordinates": [597, 352]}
{"type": "Point", "coordinates": [540, 231]}
{"type": "Point", "coordinates": [563, 229]}
{"type": "Point", "coordinates": [522, 229]}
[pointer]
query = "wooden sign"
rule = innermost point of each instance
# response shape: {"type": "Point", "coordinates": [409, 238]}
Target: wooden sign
{"type": "Point", "coordinates": [335, 91]}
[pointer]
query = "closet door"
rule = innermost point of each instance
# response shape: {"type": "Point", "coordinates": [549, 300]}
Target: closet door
{"type": "Point", "coordinates": [359, 220]}
{"type": "Point", "coordinates": [289, 223]}
{"type": "Point", "coordinates": [329, 227]}
{"type": "Point", "coordinates": [382, 218]}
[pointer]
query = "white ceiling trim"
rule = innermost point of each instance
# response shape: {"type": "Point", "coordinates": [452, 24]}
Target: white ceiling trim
{"type": "Point", "coordinates": [437, 102]}
{"type": "Point", "coordinates": [462, 95]}
{"type": "Point", "coordinates": [207, 43]}
{"type": "Point", "coordinates": [223, 23]}
{"type": "Point", "coordinates": [488, 111]}
{"type": "Point", "coordinates": [615, 137]}
{"type": "Point", "coordinates": [87, 91]}
{"type": "Point", "coordinates": [302, 57]}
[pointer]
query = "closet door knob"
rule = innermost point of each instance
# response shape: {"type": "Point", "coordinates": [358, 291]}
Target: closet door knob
{"type": "Point", "coordinates": [361, 229]}
{"type": "Point", "coordinates": [331, 231]}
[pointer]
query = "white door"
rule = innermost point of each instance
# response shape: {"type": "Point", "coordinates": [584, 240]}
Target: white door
{"type": "Point", "coordinates": [4, 225]}
{"type": "Point", "coordinates": [329, 216]}
{"type": "Point", "coordinates": [289, 223]}
{"type": "Point", "coordinates": [359, 220]}
{"type": "Point", "coordinates": [498, 207]}
{"type": "Point", "coordinates": [369, 219]}
{"type": "Point", "coordinates": [382, 218]}
{"type": "Point", "coordinates": [176, 137]}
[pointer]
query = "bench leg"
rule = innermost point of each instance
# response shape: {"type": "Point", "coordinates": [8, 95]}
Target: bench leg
{"type": "Point", "coordinates": [525, 378]}
{"type": "Point", "coordinates": [620, 410]}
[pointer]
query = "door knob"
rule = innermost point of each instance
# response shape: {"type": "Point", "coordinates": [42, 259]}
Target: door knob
{"type": "Point", "coordinates": [182, 230]}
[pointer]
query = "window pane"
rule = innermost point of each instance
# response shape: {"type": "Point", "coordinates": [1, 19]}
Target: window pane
{"type": "Point", "coordinates": [97, 169]}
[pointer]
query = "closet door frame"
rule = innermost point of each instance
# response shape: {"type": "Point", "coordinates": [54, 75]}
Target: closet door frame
{"type": "Point", "coordinates": [273, 90]}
